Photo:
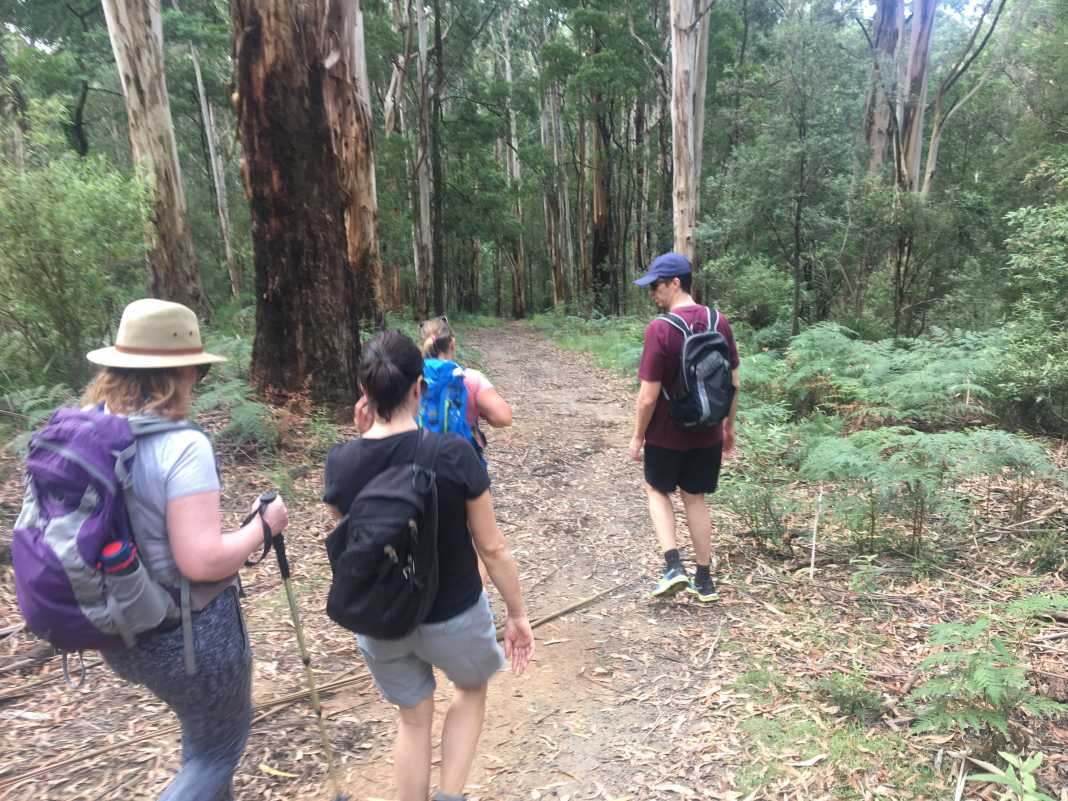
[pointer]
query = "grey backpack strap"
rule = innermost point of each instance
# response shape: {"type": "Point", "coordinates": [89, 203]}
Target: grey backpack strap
{"type": "Point", "coordinates": [676, 322]}
{"type": "Point", "coordinates": [187, 630]}
{"type": "Point", "coordinates": [680, 325]}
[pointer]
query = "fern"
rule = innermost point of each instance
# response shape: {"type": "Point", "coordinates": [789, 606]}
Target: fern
{"type": "Point", "coordinates": [23, 411]}
{"type": "Point", "coordinates": [977, 683]}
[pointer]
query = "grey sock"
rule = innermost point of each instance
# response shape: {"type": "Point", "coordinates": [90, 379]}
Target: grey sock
{"type": "Point", "coordinates": [440, 796]}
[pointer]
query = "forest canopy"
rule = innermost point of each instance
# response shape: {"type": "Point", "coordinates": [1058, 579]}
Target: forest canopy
{"type": "Point", "coordinates": [899, 169]}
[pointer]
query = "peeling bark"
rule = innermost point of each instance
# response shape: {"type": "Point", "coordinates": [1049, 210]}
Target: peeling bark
{"type": "Point", "coordinates": [689, 58]}
{"type": "Point", "coordinates": [136, 31]}
{"type": "Point", "coordinates": [296, 69]}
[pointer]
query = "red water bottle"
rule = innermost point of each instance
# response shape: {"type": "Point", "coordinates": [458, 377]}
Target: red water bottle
{"type": "Point", "coordinates": [118, 558]}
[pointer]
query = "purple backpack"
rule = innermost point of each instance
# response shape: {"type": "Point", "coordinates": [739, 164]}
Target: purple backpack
{"type": "Point", "coordinates": [77, 470]}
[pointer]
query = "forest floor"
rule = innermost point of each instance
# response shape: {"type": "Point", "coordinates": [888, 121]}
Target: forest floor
{"type": "Point", "coordinates": [790, 687]}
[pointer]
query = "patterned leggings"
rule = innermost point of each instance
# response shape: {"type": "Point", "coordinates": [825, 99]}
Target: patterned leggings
{"type": "Point", "coordinates": [214, 706]}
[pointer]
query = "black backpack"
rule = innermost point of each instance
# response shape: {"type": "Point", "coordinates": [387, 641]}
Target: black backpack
{"type": "Point", "coordinates": [705, 390]}
{"type": "Point", "coordinates": [384, 552]}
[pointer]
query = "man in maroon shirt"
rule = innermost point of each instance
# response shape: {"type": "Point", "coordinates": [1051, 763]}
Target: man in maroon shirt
{"type": "Point", "coordinates": [675, 456]}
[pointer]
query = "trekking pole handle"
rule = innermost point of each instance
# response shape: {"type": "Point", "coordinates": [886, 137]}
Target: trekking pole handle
{"type": "Point", "coordinates": [275, 540]}
{"type": "Point", "coordinates": [266, 499]}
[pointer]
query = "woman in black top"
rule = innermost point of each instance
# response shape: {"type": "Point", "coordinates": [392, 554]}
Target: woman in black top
{"type": "Point", "coordinates": [458, 636]}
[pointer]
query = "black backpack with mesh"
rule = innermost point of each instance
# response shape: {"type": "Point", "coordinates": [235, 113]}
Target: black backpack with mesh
{"type": "Point", "coordinates": [704, 392]}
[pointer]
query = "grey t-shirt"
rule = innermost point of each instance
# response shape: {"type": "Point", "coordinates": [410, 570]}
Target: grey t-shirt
{"type": "Point", "coordinates": [169, 465]}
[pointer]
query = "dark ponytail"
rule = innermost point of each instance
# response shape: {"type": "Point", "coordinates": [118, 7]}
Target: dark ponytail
{"type": "Point", "coordinates": [390, 364]}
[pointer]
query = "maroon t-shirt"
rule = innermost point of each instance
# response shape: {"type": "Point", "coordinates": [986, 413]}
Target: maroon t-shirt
{"type": "Point", "coordinates": [661, 361]}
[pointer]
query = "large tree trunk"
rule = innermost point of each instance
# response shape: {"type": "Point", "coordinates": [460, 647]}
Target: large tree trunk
{"type": "Point", "coordinates": [915, 100]}
{"type": "Point", "coordinates": [601, 226]}
{"type": "Point", "coordinates": [582, 200]}
{"type": "Point", "coordinates": [551, 200]}
{"type": "Point", "coordinates": [519, 303]}
{"type": "Point", "coordinates": [424, 265]}
{"type": "Point", "coordinates": [641, 181]}
{"type": "Point", "coordinates": [436, 164]}
{"type": "Point", "coordinates": [295, 85]}
{"type": "Point", "coordinates": [878, 108]}
{"type": "Point", "coordinates": [347, 95]}
{"type": "Point", "coordinates": [689, 58]}
{"type": "Point", "coordinates": [567, 244]}
{"type": "Point", "coordinates": [136, 31]}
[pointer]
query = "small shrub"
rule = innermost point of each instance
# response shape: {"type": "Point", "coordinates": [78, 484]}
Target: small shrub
{"type": "Point", "coordinates": [853, 699]}
{"type": "Point", "coordinates": [1048, 552]}
{"type": "Point", "coordinates": [1018, 778]}
{"type": "Point", "coordinates": [977, 684]}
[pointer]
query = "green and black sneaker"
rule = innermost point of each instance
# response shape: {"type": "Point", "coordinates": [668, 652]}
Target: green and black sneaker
{"type": "Point", "coordinates": [673, 580]}
{"type": "Point", "coordinates": [703, 589]}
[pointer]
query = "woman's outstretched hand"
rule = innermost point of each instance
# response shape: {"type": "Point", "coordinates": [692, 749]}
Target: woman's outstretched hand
{"type": "Point", "coordinates": [518, 643]}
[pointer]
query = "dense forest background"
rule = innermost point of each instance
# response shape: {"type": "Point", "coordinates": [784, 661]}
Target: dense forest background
{"type": "Point", "coordinates": [875, 193]}
{"type": "Point", "coordinates": [522, 162]}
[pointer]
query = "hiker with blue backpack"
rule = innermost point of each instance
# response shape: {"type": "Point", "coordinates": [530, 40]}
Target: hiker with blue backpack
{"type": "Point", "coordinates": [119, 545]}
{"type": "Point", "coordinates": [684, 418]}
{"type": "Point", "coordinates": [456, 397]}
{"type": "Point", "coordinates": [415, 509]}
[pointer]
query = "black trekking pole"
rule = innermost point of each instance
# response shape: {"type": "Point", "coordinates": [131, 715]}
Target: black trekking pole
{"type": "Point", "coordinates": [279, 544]}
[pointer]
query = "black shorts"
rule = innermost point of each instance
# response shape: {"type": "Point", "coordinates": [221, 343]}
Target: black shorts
{"type": "Point", "coordinates": [695, 471]}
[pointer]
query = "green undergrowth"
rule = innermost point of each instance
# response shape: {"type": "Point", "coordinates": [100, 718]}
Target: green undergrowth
{"type": "Point", "coordinates": [895, 447]}
{"type": "Point", "coordinates": [614, 342]}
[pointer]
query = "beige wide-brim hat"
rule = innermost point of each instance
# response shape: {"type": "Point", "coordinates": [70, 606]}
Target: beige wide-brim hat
{"type": "Point", "coordinates": [154, 334]}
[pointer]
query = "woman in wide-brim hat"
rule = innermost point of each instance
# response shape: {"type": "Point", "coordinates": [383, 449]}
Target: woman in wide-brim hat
{"type": "Point", "coordinates": [173, 505]}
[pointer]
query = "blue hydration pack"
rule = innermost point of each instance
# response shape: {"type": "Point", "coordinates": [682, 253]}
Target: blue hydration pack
{"type": "Point", "coordinates": [443, 407]}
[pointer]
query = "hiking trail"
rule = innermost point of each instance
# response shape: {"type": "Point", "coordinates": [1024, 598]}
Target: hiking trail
{"type": "Point", "coordinates": [615, 703]}
{"type": "Point", "coordinates": [622, 700]}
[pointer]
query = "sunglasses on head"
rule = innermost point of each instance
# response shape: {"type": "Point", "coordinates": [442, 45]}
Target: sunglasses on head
{"type": "Point", "coordinates": [425, 323]}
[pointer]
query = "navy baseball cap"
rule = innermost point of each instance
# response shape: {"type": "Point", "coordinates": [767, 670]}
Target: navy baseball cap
{"type": "Point", "coordinates": [669, 265]}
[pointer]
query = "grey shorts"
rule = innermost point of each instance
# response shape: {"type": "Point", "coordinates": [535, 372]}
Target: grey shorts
{"type": "Point", "coordinates": [464, 647]}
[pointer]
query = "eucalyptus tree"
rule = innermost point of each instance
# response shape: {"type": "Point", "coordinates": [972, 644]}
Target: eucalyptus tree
{"type": "Point", "coordinates": [136, 30]}
{"type": "Point", "coordinates": [306, 131]}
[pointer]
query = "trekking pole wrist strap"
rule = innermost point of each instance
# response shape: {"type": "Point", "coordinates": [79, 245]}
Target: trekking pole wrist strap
{"type": "Point", "coordinates": [268, 536]}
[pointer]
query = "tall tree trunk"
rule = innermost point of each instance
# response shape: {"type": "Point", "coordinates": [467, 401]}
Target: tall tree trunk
{"type": "Point", "coordinates": [582, 201]}
{"type": "Point", "coordinates": [689, 58]}
{"type": "Point", "coordinates": [518, 258]}
{"type": "Point", "coordinates": [424, 264]}
{"type": "Point", "coordinates": [472, 302]}
{"type": "Point", "coordinates": [601, 230]}
{"type": "Point", "coordinates": [915, 101]}
{"type": "Point", "coordinates": [17, 102]}
{"type": "Point", "coordinates": [136, 31]}
{"type": "Point", "coordinates": [878, 107]}
{"type": "Point", "coordinates": [567, 244]}
{"type": "Point", "coordinates": [940, 114]}
{"type": "Point", "coordinates": [551, 200]}
{"type": "Point", "coordinates": [799, 206]}
{"type": "Point", "coordinates": [295, 77]}
{"type": "Point", "coordinates": [436, 164]}
{"type": "Point", "coordinates": [347, 94]}
{"type": "Point", "coordinates": [641, 180]}
{"type": "Point", "coordinates": [218, 177]}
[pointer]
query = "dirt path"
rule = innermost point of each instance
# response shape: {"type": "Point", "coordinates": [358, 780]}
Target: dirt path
{"type": "Point", "coordinates": [614, 706]}
{"type": "Point", "coordinates": [623, 700]}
